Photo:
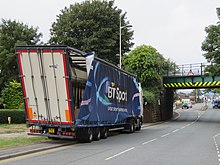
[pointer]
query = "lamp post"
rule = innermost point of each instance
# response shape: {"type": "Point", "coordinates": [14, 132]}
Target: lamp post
{"type": "Point", "coordinates": [121, 27]}
{"type": "Point", "coordinates": [120, 42]}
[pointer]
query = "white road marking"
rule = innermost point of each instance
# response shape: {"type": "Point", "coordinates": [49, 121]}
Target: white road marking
{"type": "Point", "coordinates": [165, 135]}
{"type": "Point", "coordinates": [217, 135]}
{"type": "Point", "coordinates": [149, 141]}
{"type": "Point", "coordinates": [216, 145]}
{"type": "Point", "coordinates": [175, 130]}
{"type": "Point", "coordinates": [120, 153]}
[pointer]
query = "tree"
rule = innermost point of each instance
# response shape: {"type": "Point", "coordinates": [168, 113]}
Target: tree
{"type": "Point", "coordinates": [93, 26]}
{"type": "Point", "coordinates": [12, 95]}
{"type": "Point", "coordinates": [211, 47]}
{"type": "Point", "coordinates": [12, 33]}
{"type": "Point", "coordinates": [149, 66]}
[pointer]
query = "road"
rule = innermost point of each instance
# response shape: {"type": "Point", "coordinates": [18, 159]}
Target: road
{"type": "Point", "coordinates": [193, 138]}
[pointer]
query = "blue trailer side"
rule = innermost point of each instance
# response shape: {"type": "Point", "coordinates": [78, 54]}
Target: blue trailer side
{"type": "Point", "coordinates": [111, 99]}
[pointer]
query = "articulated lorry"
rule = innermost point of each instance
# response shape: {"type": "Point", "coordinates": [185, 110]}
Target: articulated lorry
{"type": "Point", "coordinates": [70, 94]}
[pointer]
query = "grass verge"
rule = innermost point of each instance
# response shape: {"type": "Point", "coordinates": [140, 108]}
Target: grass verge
{"type": "Point", "coordinates": [12, 128]}
{"type": "Point", "coordinates": [20, 141]}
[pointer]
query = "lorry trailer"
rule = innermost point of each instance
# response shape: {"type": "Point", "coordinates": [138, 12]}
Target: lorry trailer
{"type": "Point", "coordinates": [70, 94]}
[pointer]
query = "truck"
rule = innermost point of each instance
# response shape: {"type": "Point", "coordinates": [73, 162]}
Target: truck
{"type": "Point", "coordinates": [70, 94]}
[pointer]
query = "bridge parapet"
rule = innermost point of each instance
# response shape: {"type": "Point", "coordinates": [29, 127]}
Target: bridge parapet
{"type": "Point", "coordinates": [197, 69]}
{"type": "Point", "coordinates": [190, 76]}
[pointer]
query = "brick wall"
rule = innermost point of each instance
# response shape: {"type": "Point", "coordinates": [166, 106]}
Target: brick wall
{"type": "Point", "coordinates": [151, 113]}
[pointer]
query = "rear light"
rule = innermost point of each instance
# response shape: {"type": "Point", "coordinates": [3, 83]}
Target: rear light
{"type": "Point", "coordinates": [68, 133]}
{"type": "Point", "coordinates": [35, 131]}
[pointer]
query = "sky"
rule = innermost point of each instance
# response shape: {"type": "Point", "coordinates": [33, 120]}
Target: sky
{"type": "Point", "coordinates": [174, 27]}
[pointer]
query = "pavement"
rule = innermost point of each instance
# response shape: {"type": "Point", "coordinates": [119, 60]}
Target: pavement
{"type": "Point", "coordinates": [12, 152]}
{"type": "Point", "coordinates": [11, 135]}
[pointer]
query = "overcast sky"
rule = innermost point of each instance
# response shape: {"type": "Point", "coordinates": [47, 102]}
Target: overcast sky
{"type": "Point", "coordinates": [174, 27]}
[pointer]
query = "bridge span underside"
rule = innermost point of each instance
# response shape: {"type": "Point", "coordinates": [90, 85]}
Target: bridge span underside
{"type": "Point", "coordinates": [171, 83]}
{"type": "Point", "coordinates": [190, 82]}
{"type": "Point", "coordinates": [189, 76]}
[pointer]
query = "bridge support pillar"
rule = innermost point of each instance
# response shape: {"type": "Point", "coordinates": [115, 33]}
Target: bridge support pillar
{"type": "Point", "coordinates": [166, 107]}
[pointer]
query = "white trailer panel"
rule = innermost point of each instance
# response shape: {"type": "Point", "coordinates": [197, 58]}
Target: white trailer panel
{"type": "Point", "coordinates": [44, 78]}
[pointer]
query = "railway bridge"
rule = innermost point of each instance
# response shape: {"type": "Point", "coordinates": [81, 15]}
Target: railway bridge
{"type": "Point", "coordinates": [189, 76]}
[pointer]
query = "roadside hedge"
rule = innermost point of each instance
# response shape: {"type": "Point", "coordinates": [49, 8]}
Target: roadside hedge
{"type": "Point", "coordinates": [149, 97]}
{"type": "Point", "coordinates": [17, 116]}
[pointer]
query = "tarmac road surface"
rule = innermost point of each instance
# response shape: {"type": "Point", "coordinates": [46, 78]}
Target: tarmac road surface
{"type": "Point", "coordinates": [191, 139]}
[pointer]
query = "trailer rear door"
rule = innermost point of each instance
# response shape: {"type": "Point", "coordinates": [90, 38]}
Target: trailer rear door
{"type": "Point", "coordinates": [45, 85]}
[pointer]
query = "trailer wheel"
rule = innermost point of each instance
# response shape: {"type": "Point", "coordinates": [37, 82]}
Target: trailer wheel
{"type": "Point", "coordinates": [96, 134]}
{"type": "Point", "coordinates": [131, 126]}
{"type": "Point", "coordinates": [104, 132]}
{"type": "Point", "coordinates": [89, 137]}
{"type": "Point", "coordinates": [84, 135]}
{"type": "Point", "coordinates": [138, 128]}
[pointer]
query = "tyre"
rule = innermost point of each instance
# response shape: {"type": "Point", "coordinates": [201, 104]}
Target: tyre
{"type": "Point", "coordinates": [89, 136]}
{"type": "Point", "coordinates": [96, 133]}
{"type": "Point", "coordinates": [84, 135]}
{"type": "Point", "coordinates": [131, 126]}
{"type": "Point", "coordinates": [104, 132]}
{"type": "Point", "coordinates": [138, 128]}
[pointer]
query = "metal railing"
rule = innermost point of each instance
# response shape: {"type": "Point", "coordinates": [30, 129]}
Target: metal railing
{"type": "Point", "coordinates": [197, 69]}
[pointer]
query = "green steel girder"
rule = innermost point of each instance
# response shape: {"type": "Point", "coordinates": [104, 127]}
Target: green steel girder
{"type": "Point", "coordinates": [183, 82]}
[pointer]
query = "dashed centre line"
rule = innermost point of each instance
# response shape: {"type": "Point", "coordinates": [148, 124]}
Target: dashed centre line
{"type": "Point", "coordinates": [175, 130]}
{"type": "Point", "coordinates": [165, 135]}
{"type": "Point", "coordinates": [120, 153]}
{"type": "Point", "coordinates": [149, 141]}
